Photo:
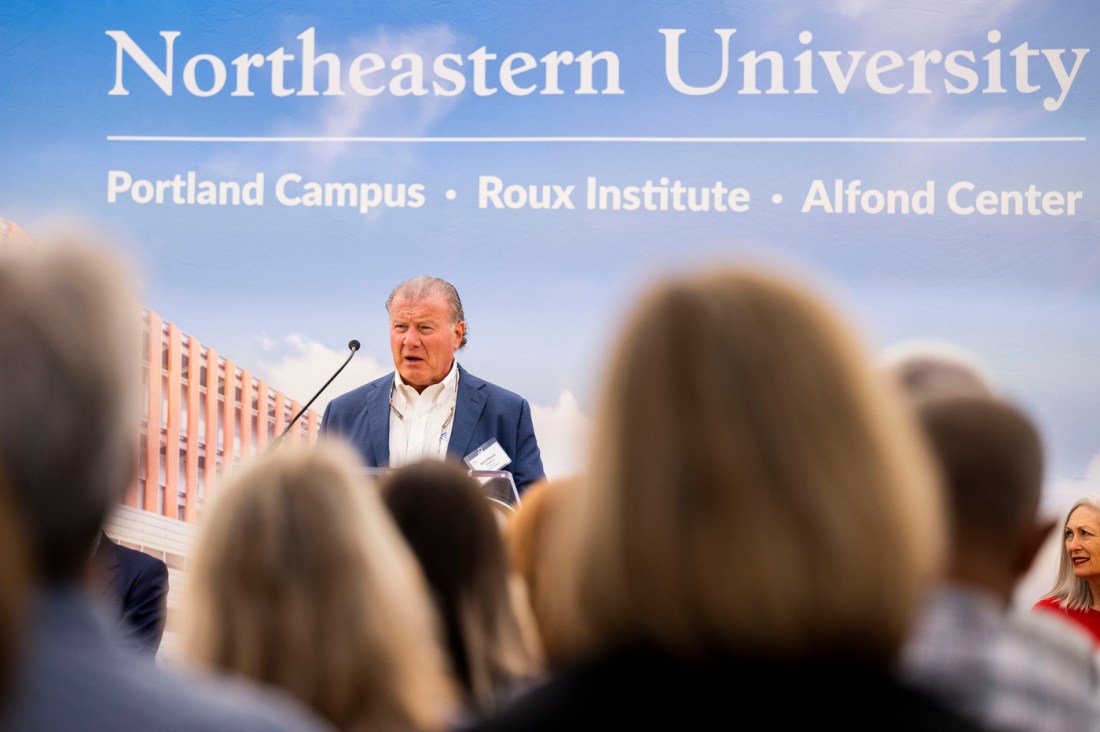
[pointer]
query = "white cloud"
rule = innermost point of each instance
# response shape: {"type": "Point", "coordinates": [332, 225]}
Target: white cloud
{"type": "Point", "coordinates": [385, 114]}
{"type": "Point", "coordinates": [354, 115]}
{"type": "Point", "coordinates": [300, 367]}
{"type": "Point", "coordinates": [563, 432]}
{"type": "Point", "coordinates": [1061, 494]}
{"type": "Point", "coordinates": [897, 21]}
{"type": "Point", "coordinates": [1092, 472]}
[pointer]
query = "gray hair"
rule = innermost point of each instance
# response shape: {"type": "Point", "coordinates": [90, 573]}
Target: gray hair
{"type": "Point", "coordinates": [1072, 592]}
{"type": "Point", "coordinates": [928, 368]}
{"type": "Point", "coordinates": [69, 371]}
{"type": "Point", "coordinates": [425, 286]}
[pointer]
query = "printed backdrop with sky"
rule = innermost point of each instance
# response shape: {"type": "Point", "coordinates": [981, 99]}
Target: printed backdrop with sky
{"type": "Point", "coordinates": [101, 100]}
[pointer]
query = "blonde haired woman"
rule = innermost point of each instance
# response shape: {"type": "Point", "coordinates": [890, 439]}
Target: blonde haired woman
{"type": "Point", "coordinates": [302, 581]}
{"type": "Point", "coordinates": [756, 524]}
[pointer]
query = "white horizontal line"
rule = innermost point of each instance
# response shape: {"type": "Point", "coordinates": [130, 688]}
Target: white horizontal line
{"type": "Point", "coordinates": [207, 138]}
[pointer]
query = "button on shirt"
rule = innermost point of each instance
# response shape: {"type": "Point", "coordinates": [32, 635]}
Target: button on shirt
{"type": "Point", "coordinates": [420, 423]}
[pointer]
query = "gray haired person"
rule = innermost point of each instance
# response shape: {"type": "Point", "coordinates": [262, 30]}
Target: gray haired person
{"type": "Point", "coordinates": [69, 345]}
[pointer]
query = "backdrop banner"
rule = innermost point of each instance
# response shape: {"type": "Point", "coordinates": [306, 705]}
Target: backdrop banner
{"type": "Point", "coordinates": [275, 167]}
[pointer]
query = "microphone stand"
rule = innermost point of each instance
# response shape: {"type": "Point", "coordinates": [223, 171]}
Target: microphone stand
{"type": "Point", "coordinates": [354, 346]}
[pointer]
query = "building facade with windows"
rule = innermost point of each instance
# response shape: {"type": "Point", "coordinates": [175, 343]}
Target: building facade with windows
{"type": "Point", "coordinates": [202, 413]}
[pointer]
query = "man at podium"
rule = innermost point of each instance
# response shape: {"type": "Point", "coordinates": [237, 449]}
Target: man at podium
{"type": "Point", "coordinates": [431, 407]}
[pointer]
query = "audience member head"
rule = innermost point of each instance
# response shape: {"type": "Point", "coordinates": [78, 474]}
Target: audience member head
{"type": "Point", "coordinates": [69, 342]}
{"type": "Point", "coordinates": [527, 535]}
{"type": "Point", "coordinates": [302, 581]}
{"type": "Point", "coordinates": [926, 368]}
{"type": "Point", "coordinates": [1077, 586]}
{"type": "Point", "coordinates": [455, 534]}
{"type": "Point", "coordinates": [753, 486]}
{"type": "Point", "coordinates": [991, 461]}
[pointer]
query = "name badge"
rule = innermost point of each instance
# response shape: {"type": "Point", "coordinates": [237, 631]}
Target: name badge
{"type": "Point", "coordinates": [490, 456]}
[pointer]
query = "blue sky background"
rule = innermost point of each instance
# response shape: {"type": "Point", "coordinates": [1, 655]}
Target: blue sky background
{"type": "Point", "coordinates": [281, 290]}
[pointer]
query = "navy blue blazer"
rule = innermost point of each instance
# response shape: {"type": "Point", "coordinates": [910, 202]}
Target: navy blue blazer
{"type": "Point", "coordinates": [136, 585]}
{"type": "Point", "coordinates": [482, 411]}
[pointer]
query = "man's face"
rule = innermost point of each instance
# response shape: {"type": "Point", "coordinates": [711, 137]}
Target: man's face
{"type": "Point", "coordinates": [423, 340]}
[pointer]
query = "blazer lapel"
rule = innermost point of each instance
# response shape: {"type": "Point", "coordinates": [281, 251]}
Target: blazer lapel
{"type": "Point", "coordinates": [106, 564]}
{"type": "Point", "coordinates": [378, 419]}
{"type": "Point", "coordinates": [469, 404]}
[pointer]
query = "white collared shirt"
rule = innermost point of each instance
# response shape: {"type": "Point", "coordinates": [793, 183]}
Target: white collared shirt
{"type": "Point", "coordinates": [420, 423]}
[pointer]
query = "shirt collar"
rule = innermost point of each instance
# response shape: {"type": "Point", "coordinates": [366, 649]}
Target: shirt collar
{"type": "Point", "coordinates": [409, 394]}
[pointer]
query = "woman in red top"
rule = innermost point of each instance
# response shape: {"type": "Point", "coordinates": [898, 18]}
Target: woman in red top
{"type": "Point", "coordinates": [1076, 593]}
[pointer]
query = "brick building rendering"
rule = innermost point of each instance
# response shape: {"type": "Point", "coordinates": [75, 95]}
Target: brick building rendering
{"type": "Point", "coordinates": [202, 413]}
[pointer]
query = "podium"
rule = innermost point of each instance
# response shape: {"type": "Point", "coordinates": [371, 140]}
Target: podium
{"type": "Point", "coordinates": [498, 486]}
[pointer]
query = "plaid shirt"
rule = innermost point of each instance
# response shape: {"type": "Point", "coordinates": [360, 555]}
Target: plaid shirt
{"type": "Point", "coordinates": [1009, 670]}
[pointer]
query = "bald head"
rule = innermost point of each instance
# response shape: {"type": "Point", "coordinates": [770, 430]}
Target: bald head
{"type": "Point", "coordinates": [932, 369]}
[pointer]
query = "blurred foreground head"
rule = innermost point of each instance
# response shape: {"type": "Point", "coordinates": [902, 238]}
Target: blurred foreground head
{"type": "Point", "coordinates": [932, 369]}
{"type": "Point", "coordinates": [70, 330]}
{"type": "Point", "coordinates": [529, 536]}
{"type": "Point", "coordinates": [454, 532]}
{"type": "Point", "coordinates": [753, 485]}
{"type": "Point", "coordinates": [990, 456]}
{"type": "Point", "coordinates": [301, 580]}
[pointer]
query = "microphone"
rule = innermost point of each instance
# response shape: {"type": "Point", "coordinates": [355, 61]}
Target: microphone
{"type": "Point", "coordinates": [354, 346]}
